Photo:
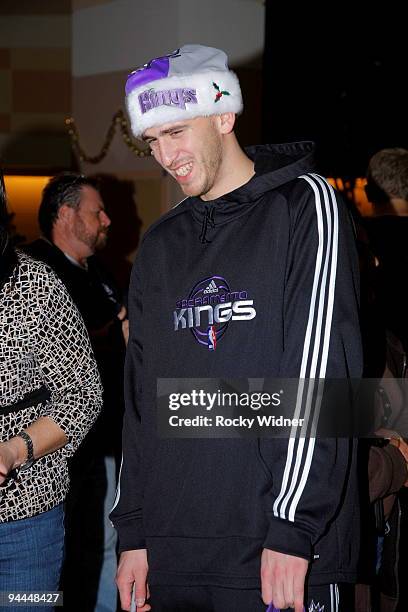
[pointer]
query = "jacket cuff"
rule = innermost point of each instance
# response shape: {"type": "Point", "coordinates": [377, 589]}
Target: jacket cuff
{"type": "Point", "coordinates": [288, 538]}
{"type": "Point", "coordinates": [130, 535]}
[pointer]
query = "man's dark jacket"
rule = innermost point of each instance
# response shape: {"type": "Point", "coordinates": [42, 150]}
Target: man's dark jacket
{"type": "Point", "coordinates": [98, 301]}
{"type": "Point", "coordinates": [275, 260]}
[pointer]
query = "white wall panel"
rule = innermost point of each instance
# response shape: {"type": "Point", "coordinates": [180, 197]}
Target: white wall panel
{"type": "Point", "coordinates": [236, 26]}
{"type": "Point", "coordinates": [122, 34]}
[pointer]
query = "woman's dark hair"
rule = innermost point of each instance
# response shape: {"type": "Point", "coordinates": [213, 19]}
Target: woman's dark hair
{"type": "Point", "coordinates": [8, 258]}
{"type": "Point", "coordinates": [3, 215]}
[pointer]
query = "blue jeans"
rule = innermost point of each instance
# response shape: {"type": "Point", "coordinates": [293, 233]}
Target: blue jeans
{"type": "Point", "coordinates": [31, 552]}
{"type": "Point", "coordinates": [107, 590]}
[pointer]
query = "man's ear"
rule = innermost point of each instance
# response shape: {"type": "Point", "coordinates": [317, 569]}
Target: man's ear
{"type": "Point", "coordinates": [65, 213]}
{"type": "Point", "coordinates": [227, 122]}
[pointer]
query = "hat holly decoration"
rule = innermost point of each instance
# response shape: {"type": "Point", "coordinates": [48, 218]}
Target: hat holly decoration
{"type": "Point", "coordinates": [219, 93]}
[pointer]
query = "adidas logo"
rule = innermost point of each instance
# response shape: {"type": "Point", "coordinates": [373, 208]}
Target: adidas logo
{"type": "Point", "coordinates": [212, 288]}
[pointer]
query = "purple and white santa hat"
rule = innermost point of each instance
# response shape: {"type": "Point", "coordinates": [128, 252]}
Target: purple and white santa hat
{"type": "Point", "coordinates": [193, 81]}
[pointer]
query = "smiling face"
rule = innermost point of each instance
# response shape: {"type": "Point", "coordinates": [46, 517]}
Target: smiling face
{"type": "Point", "coordinates": [191, 151]}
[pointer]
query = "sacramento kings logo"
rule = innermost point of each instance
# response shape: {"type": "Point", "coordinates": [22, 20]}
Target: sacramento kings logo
{"type": "Point", "coordinates": [212, 286]}
{"type": "Point", "coordinates": [209, 308]}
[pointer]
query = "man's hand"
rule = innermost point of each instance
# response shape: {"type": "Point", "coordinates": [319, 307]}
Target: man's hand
{"type": "Point", "coordinates": [396, 440]}
{"type": "Point", "coordinates": [125, 330]}
{"type": "Point", "coordinates": [132, 573]}
{"type": "Point", "coordinates": [283, 580]}
{"type": "Point", "coordinates": [401, 445]}
{"type": "Point", "coordinates": [122, 316]}
{"type": "Point", "coordinates": [403, 448]}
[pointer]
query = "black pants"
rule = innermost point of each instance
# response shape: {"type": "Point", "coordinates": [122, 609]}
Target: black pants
{"type": "Point", "coordinates": [217, 599]}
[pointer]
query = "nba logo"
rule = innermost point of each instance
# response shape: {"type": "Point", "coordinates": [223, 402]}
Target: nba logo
{"type": "Point", "coordinates": [212, 338]}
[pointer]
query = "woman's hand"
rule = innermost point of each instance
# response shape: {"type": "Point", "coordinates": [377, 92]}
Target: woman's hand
{"type": "Point", "coordinates": [9, 453]}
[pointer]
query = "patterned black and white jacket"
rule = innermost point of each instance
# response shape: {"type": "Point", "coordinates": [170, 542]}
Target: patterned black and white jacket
{"type": "Point", "coordinates": [47, 368]}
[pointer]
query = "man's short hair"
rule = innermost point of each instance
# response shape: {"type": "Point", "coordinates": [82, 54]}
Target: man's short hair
{"type": "Point", "coordinates": [387, 176]}
{"type": "Point", "coordinates": [62, 189]}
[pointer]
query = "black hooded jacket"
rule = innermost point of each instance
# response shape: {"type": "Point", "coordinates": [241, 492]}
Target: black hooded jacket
{"type": "Point", "coordinates": [204, 509]}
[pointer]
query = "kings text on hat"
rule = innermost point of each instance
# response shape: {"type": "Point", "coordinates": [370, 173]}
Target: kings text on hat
{"type": "Point", "coordinates": [168, 97]}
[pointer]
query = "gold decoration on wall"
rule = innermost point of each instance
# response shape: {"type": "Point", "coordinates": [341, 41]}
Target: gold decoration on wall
{"type": "Point", "coordinates": [119, 120]}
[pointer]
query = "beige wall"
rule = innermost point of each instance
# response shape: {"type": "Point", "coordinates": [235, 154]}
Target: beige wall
{"type": "Point", "coordinates": [80, 4]}
{"type": "Point", "coordinates": [35, 84]}
{"type": "Point", "coordinates": [121, 34]}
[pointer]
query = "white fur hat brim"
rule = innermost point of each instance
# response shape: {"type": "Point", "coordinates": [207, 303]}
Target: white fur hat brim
{"type": "Point", "coordinates": [181, 97]}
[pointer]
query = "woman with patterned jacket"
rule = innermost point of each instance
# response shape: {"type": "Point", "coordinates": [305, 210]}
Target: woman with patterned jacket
{"type": "Point", "coordinates": [50, 395]}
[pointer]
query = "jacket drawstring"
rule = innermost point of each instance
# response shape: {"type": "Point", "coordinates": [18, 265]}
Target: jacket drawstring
{"type": "Point", "coordinates": [207, 221]}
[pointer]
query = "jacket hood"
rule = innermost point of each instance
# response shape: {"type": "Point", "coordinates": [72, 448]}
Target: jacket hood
{"type": "Point", "coordinates": [275, 165]}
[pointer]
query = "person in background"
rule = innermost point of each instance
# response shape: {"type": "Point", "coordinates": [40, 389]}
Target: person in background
{"type": "Point", "coordinates": [254, 274]}
{"type": "Point", "coordinates": [385, 338]}
{"type": "Point", "coordinates": [50, 395]}
{"type": "Point", "coordinates": [387, 229]}
{"type": "Point", "coordinates": [74, 227]}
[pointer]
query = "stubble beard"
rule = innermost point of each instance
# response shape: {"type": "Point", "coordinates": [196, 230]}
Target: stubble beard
{"type": "Point", "coordinates": [95, 241]}
{"type": "Point", "coordinates": [101, 240]}
{"type": "Point", "coordinates": [209, 162]}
